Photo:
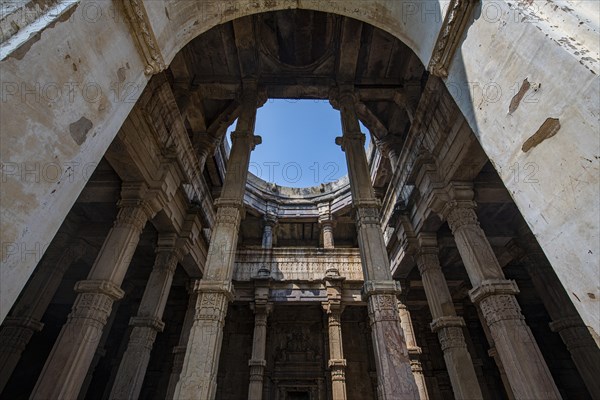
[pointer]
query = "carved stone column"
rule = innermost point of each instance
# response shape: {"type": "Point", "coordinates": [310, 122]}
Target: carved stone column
{"type": "Point", "coordinates": [333, 307]}
{"type": "Point", "coordinates": [388, 145]}
{"type": "Point", "coordinates": [585, 351]}
{"type": "Point", "coordinates": [26, 317]}
{"type": "Point", "coordinates": [72, 354]}
{"type": "Point", "coordinates": [525, 366]}
{"type": "Point", "coordinates": [179, 350]}
{"type": "Point", "coordinates": [414, 351]}
{"type": "Point", "coordinates": [270, 222]}
{"type": "Point", "coordinates": [215, 290]}
{"type": "Point", "coordinates": [148, 322]}
{"type": "Point", "coordinates": [395, 378]}
{"type": "Point", "coordinates": [447, 325]}
{"type": "Point", "coordinates": [326, 222]}
{"type": "Point", "coordinates": [262, 308]}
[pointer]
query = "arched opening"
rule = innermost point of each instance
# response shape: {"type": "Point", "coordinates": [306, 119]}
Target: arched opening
{"type": "Point", "coordinates": [182, 118]}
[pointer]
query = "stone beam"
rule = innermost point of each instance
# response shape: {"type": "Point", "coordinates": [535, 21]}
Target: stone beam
{"type": "Point", "coordinates": [349, 48]}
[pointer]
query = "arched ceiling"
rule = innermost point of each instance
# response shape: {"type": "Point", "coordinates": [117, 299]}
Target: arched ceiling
{"type": "Point", "coordinates": [297, 54]}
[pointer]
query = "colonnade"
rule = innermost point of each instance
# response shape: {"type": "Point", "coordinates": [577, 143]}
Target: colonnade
{"type": "Point", "coordinates": [194, 372]}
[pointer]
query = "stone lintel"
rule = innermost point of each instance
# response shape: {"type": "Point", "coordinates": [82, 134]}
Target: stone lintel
{"type": "Point", "coordinates": [493, 287]}
{"type": "Point", "coordinates": [100, 286]}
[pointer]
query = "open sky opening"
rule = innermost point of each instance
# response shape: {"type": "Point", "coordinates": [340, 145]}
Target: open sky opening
{"type": "Point", "coordinates": [298, 148]}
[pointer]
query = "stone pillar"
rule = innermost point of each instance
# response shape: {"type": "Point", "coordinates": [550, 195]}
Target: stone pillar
{"type": "Point", "coordinates": [565, 318]}
{"type": "Point", "coordinates": [333, 307]}
{"type": "Point", "coordinates": [72, 354]}
{"type": "Point", "coordinates": [270, 222]}
{"type": "Point", "coordinates": [525, 366]}
{"type": "Point", "coordinates": [148, 322]}
{"type": "Point", "coordinates": [447, 325]}
{"type": "Point", "coordinates": [215, 290]}
{"type": "Point", "coordinates": [387, 146]}
{"type": "Point", "coordinates": [262, 308]}
{"type": "Point", "coordinates": [414, 351]}
{"type": "Point", "coordinates": [395, 378]}
{"type": "Point", "coordinates": [26, 317]}
{"type": "Point", "coordinates": [326, 222]}
{"type": "Point", "coordinates": [179, 350]}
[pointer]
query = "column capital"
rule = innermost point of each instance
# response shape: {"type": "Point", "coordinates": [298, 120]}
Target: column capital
{"type": "Point", "coordinates": [107, 288]}
{"type": "Point", "coordinates": [246, 136]}
{"type": "Point", "coordinates": [337, 363]}
{"type": "Point", "coordinates": [459, 214]}
{"type": "Point", "coordinates": [371, 288]}
{"type": "Point", "coordinates": [222, 287]}
{"type": "Point", "coordinates": [447, 322]}
{"type": "Point", "coordinates": [152, 322]}
{"type": "Point", "coordinates": [493, 287]}
{"type": "Point", "coordinates": [343, 96]}
{"type": "Point", "coordinates": [25, 323]}
{"type": "Point", "coordinates": [350, 138]}
{"type": "Point", "coordinates": [574, 321]}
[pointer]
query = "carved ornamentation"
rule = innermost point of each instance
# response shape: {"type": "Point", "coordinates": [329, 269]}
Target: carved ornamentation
{"type": "Point", "coordinates": [382, 307]}
{"type": "Point", "coordinates": [92, 307]}
{"type": "Point", "coordinates": [451, 337]}
{"type": "Point", "coordinates": [145, 39]}
{"type": "Point", "coordinates": [367, 216]}
{"type": "Point", "coordinates": [451, 32]}
{"type": "Point", "coordinates": [502, 307]}
{"type": "Point", "coordinates": [428, 262]}
{"type": "Point", "coordinates": [460, 217]}
{"type": "Point", "coordinates": [133, 216]}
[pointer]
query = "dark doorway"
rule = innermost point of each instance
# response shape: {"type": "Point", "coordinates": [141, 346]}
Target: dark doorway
{"type": "Point", "coordinates": [298, 395]}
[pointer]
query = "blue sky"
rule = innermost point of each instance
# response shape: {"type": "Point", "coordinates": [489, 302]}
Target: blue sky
{"type": "Point", "coordinates": [298, 147]}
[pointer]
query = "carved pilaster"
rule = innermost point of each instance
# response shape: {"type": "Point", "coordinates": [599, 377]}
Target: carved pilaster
{"type": "Point", "coordinates": [395, 375]}
{"type": "Point", "coordinates": [81, 334]}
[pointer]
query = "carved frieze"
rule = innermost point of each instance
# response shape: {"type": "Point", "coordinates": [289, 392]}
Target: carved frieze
{"type": "Point", "coordinates": [144, 36]}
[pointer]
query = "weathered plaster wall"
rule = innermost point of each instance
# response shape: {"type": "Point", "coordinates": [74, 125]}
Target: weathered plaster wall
{"type": "Point", "coordinates": [65, 93]}
{"type": "Point", "coordinates": [555, 184]}
{"type": "Point", "coordinates": [499, 52]}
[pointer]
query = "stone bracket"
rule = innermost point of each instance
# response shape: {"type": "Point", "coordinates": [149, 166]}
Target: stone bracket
{"type": "Point", "coordinates": [149, 322]}
{"type": "Point", "coordinates": [451, 32]}
{"type": "Point", "coordinates": [145, 39]}
{"type": "Point", "coordinates": [99, 286]}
